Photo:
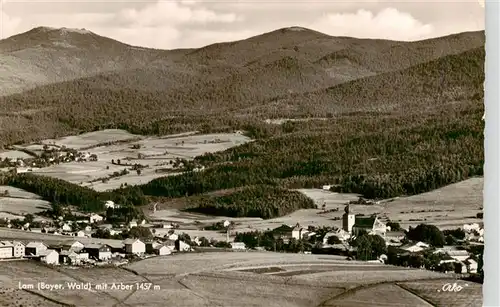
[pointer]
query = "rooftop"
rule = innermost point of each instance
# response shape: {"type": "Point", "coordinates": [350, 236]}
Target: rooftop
{"type": "Point", "coordinates": [130, 241]}
{"type": "Point", "coordinates": [364, 222]}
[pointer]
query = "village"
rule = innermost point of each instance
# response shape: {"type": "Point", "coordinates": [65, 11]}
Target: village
{"type": "Point", "coordinates": [457, 251]}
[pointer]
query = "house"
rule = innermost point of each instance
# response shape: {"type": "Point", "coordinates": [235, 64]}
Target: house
{"type": "Point", "coordinates": [134, 246]}
{"type": "Point", "coordinates": [95, 218]}
{"type": "Point", "coordinates": [282, 232]}
{"type": "Point", "coordinates": [165, 226]}
{"type": "Point", "coordinates": [415, 248]}
{"type": "Point", "coordinates": [173, 237]}
{"type": "Point", "coordinates": [238, 245]}
{"type": "Point", "coordinates": [181, 246]}
{"type": "Point", "coordinates": [69, 257]}
{"type": "Point", "coordinates": [196, 241]}
{"type": "Point", "coordinates": [459, 255]}
{"type": "Point", "coordinates": [49, 256]}
{"type": "Point", "coordinates": [162, 250]}
{"type": "Point", "coordinates": [35, 248]}
{"type": "Point", "coordinates": [116, 247]}
{"type": "Point", "coordinates": [340, 233]}
{"type": "Point", "coordinates": [19, 249]}
{"type": "Point", "coordinates": [394, 237]}
{"type": "Point", "coordinates": [109, 204]}
{"type": "Point", "coordinates": [73, 246]}
{"type": "Point", "coordinates": [98, 251]}
{"type": "Point", "coordinates": [66, 227]}
{"type": "Point", "coordinates": [150, 246]}
{"type": "Point", "coordinates": [80, 233]}
{"type": "Point", "coordinates": [471, 227]}
{"type": "Point", "coordinates": [170, 244]}
{"type": "Point", "coordinates": [6, 250]}
{"type": "Point", "coordinates": [114, 232]}
{"type": "Point", "coordinates": [299, 232]}
{"type": "Point", "coordinates": [132, 224]}
{"type": "Point", "coordinates": [471, 265]}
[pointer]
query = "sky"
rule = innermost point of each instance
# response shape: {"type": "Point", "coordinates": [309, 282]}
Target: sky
{"type": "Point", "coordinates": [170, 24]}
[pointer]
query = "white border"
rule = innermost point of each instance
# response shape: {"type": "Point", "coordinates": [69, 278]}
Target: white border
{"type": "Point", "coordinates": [491, 292]}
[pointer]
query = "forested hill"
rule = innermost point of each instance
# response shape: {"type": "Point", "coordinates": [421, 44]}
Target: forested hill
{"type": "Point", "coordinates": [429, 133]}
{"type": "Point", "coordinates": [228, 85]}
{"type": "Point", "coordinates": [385, 118]}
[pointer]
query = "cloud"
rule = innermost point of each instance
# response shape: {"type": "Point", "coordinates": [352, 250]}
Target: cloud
{"type": "Point", "coordinates": [170, 13]}
{"type": "Point", "coordinates": [8, 25]}
{"type": "Point", "coordinates": [389, 23]}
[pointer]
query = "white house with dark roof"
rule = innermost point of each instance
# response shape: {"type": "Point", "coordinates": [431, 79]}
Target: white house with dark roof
{"type": "Point", "coordinates": [134, 246]}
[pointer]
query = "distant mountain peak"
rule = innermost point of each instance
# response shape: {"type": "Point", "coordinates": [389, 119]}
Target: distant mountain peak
{"type": "Point", "coordinates": [296, 28]}
{"type": "Point", "coordinates": [62, 30]}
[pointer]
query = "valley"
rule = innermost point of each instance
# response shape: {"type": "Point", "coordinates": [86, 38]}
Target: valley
{"type": "Point", "coordinates": [234, 163]}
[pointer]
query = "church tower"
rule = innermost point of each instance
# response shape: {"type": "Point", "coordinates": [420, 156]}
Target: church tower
{"type": "Point", "coordinates": [348, 220]}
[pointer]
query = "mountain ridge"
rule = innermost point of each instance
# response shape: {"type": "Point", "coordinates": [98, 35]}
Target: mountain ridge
{"type": "Point", "coordinates": [46, 55]}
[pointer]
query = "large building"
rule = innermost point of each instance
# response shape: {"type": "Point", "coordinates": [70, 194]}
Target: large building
{"type": "Point", "coordinates": [354, 224]}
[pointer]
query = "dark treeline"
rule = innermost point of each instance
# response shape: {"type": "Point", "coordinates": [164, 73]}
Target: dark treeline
{"type": "Point", "coordinates": [255, 201]}
{"type": "Point", "coordinates": [69, 194]}
{"type": "Point", "coordinates": [377, 157]}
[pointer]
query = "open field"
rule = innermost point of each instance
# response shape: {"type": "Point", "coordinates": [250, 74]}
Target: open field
{"type": "Point", "coordinates": [20, 202]}
{"type": "Point", "coordinates": [156, 153]}
{"type": "Point", "coordinates": [86, 140]}
{"type": "Point", "coordinates": [448, 207]}
{"type": "Point", "coordinates": [18, 193]}
{"type": "Point", "coordinates": [302, 216]}
{"type": "Point", "coordinates": [222, 279]}
{"type": "Point", "coordinates": [14, 155]}
{"type": "Point", "coordinates": [22, 206]}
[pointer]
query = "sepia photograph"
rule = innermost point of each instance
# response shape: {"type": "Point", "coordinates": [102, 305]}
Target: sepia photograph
{"type": "Point", "coordinates": [234, 153]}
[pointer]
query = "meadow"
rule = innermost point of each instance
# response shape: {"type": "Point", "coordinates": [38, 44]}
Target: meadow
{"type": "Point", "coordinates": [156, 153]}
{"type": "Point", "coordinates": [222, 279]}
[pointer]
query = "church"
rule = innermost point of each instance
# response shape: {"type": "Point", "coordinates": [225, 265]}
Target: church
{"type": "Point", "coordinates": [354, 224]}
